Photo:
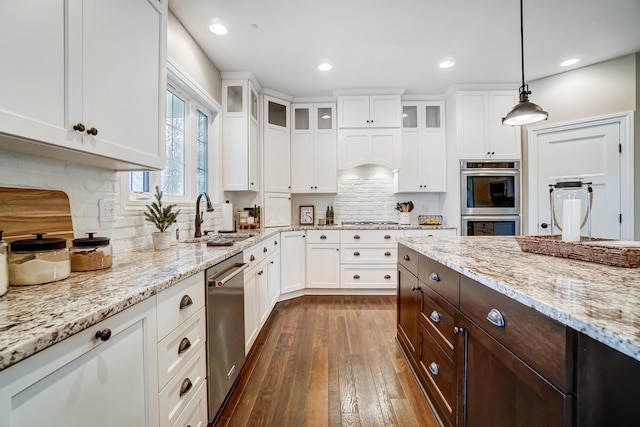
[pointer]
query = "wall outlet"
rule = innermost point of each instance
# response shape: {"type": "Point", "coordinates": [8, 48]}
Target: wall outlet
{"type": "Point", "coordinates": [107, 210]}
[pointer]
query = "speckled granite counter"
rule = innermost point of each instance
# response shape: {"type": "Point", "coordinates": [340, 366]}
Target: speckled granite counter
{"type": "Point", "coordinates": [600, 301]}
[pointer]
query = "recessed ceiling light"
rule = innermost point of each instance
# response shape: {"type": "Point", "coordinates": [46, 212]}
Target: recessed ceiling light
{"type": "Point", "coordinates": [218, 29]}
{"type": "Point", "coordinates": [447, 64]}
{"type": "Point", "coordinates": [569, 62]}
{"type": "Point", "coordinates": [325, 66]}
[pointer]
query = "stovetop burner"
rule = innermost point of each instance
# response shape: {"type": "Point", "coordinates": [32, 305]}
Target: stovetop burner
{"type": "Point", "coordinates": [369, 223]}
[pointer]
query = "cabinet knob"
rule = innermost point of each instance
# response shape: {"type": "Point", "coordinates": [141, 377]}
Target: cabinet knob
{"type": "Point", "coordinates": [185, 387]}
{"type": "Point", "coordinates": [387, 254]}
{"type": "Point", "coordinates": [275, 242]}
{"type": "Point", "coordinates": [356, 276]}
{"type": "Point", "coordinates": [544, 225]}
{"type": "Point", "coordinates": [387, 276]}
{"type": "Point", "coordinates": [415, 288]}
{"type": "Point", "coordinates": [252, 183]}
{"type": "Point", "coordinates": [264, 250]}
{"type": "Point", "coordinates": [356, 253]}
{"type": "Point", "coordinates": [356, 237]}
{"type": "Point", "coordinates": [406, 258]}
{"type": "Point", "coordinates": [421, 186]}
{"type": "Point", "coordinates": [323, 237]}
{"type": "Point", "coordinates": [252, 258]}
{"type": "Point", "coordinates": [260, 272]}
{"type": "Point", "coordinates": [493, 153]}
{"type": "Point", "coordinates": [79, 127]}
{"type": "Point", "coordinates": [185, 302]}
{"type": "Point", "coordinates": [495, 317]}
{"type": "Point", "coordinates": [311, 188]}
{"type": "Point", "coordinates": [434, 277]}
{"type": "Point", "coordinates": [457, 330]}
{"type": "Point", "coordinates": [315, 188]}
{"type": "Point", "coordinates": [433, 368]}
{"type": "Point", "coordinates": [488, 153]}
{"type": "Point", "coordinates": [435, 316]}
{"type": "Point", "coordinates": [92, 131]}
{"type": "Point", "coordinates": [387, 237]}
{"type": "Point", "coordinates": [104, 334]}
{"type": "Point", "coordinates": [185, 345]}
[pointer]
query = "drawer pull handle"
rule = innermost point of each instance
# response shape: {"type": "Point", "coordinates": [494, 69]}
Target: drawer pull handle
{"type": "Point", "coordinates": [265, 250]}
{"type": "Point", "coordinates": [185, 345]}
{"type": "Point", "coordinates": [252, 258]}
{"type": "Point", "coordinates": [356, 276]}
{"type": "Point", "coordinates": [387, 237]}
{"type": "Point", "coordinates": [434, 277]}
{"type": "Point", "coordinates": [104, 334]}
{"type": "Point", "coordinates": [435, 316]}
{"type": "Point", "coordinates": [357, 237]}
{"type": "Point", "coordinates": [79, 127]}
{"type": "Point", "coordinates": [433, 368]}
{"type": "Point", "coordinates": [415, 288]}
{"type": "Point", "coordinates": [387, 276]}
{"type": "Point", "coordinates": [275, 242]}
{"type": "Point", "coordinates": [387, 254]}
{"type": "Point", "coordinates": [185, 302]}
{"type": "Point", "coordinates": [457, 330]}
{"type": "Point", "coordinates": [323, 237]}
{"type": "Point", "coordinates": [356, 253]}
{"type": "Point", "coordinates": [406, 258]}
{"type": "Point", "coordinates": [92, 131]}
{"type": "Point", "coordinates": [185, 387]}
{"type": "Point", "coordinates": [495, 317]}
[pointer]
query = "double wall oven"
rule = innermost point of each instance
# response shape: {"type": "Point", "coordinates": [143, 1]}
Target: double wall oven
{"type": "Point", "coordinates": [490, 197]}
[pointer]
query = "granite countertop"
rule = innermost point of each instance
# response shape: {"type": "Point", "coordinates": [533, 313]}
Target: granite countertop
{"type": "Point", "coordinates": [33, 318]}
{"type": "Point", "coordinates": [600, 301]}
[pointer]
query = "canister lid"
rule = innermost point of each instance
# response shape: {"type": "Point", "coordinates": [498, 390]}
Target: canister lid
{"type": "Point", "coordinates": [569, 184]}
{"type": "Point", "coordinates": [38, 244]}
{"type": "Point", "coordinates": [91, 241]}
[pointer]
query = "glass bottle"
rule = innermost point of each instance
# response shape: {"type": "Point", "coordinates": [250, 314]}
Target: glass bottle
{"type": "Point", "coordinates": [4, 266]}
{"type": "Point", "coordinates": [331, 214]}
{"type": "Point", "coordinates": [328, 216]}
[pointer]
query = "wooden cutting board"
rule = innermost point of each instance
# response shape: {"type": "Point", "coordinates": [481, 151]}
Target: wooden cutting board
{"type": "Point", "coordinates": [26, 211]}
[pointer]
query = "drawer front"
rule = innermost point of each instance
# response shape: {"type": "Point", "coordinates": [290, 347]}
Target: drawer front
{"type": "Point", "coordinates": [427, 232]}
{"type": "Point", "coordinates": [323, 236]}
{"type": "Point", "coordinates": [256, 253]}
{"type": "Point", "coordinates": [177, 347]}
{"type": "Point", "coordinates": [437, 316]}
{"type": "Point", "coordinates": [176, 395]}
{"type": "Point", "coordinates": [369, 277]}
{"type": "Point", "coordinates": [542, 343]}
{"type": "Point", "coordinates": [370, 236]}
{"type": "Point", "coordinates": [408, 258]}
{"type": "Point", "coordinates": [439, 374]}
{"type": "Point", "coordinates": [179, 302]}
{"type": "Point", "coordinates": [371, 254]}
{"type": "Point", "coordinates": [195, 414]}
{"type": "Point", "coordinates": [441, 279]}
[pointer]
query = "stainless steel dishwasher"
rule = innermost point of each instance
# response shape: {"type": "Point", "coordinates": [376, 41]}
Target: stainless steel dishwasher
{"type": "Point", "coordinates": [225, 328]}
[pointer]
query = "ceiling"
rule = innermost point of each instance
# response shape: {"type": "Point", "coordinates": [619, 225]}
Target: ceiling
{"type": "Point", "coordinates": [398, 44]}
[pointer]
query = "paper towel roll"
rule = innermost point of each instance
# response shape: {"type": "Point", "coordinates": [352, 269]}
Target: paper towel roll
{"type": "Point", "coordinates": [227, 216]}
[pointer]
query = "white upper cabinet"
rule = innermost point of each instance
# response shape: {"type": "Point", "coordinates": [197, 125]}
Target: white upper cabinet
{"type": "Point", "coordinates": [240, 150]}
{"type": "Point", "coordinates": [86, 75]}
{"type": "Point", "coordinates": [375, 111]}
{"type": "Point", "coordinates": [423, 149]}
{"type": "Point", "coordinates": [478, 125]}
{"type": "Point", "coordinates": [313, 148]}
{"type": "Point", "coordinates": [277, 145]}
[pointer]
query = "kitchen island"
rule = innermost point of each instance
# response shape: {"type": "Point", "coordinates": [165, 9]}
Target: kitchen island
{"type": "Point", "coordinates": [561, 335]}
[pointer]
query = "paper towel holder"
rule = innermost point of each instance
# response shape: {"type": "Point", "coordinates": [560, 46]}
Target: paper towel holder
{"type": "Point", "coordinates": [227, 209]}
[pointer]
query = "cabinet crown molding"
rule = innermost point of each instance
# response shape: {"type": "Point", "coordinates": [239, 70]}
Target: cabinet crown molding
{"type": "Point", "coordinates": [343, 92]}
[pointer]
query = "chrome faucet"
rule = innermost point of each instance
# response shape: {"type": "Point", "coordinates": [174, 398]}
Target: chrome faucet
{"type": "Point", "coordinates": [199, 219]}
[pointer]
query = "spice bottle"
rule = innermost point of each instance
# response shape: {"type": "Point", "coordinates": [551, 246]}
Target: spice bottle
{"type": "Point", "coordinates": [91, 253]}
{"type": "Point", "coordinates": [39, 260]}
{"type": "Point", "coordinates": [4, 266]}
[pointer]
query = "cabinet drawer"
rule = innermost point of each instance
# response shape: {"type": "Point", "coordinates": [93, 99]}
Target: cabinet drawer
{"type": "Point", "coordinates": [180, 390]}
{"type": "Point", "coordinates": [179, 302]}
{"type": "Point", "coordinates": [378, 277]}
{"type": "Point", "coordinates": [442, 279]}
{"type": "Point", "coordinates": [436, 232]}
{"type": "Point", "coordinates": [323, 236]}
{"type": "Point", "coordinates": [544, 344]}
{"type": "Point", "coordinates": [177, 347]}
{"type": "Point", "coordinates": [408, 258]}
{"type": "Point", "coordinates": [195, 414]}
{"type": "Point", "coordinates": [437, 317]}
{"type": "Point", "coordinates": [256, 253]}
{"type": "Point", "coordinates": [439, 374]}
{"type": "Point", "coordinates": [370, 236]}
{"type": "Point", "coordinates": [371, 254]}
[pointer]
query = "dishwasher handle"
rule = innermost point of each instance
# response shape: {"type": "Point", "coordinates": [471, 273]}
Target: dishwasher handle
{"type": "Point", "coordinates": [218, 283]}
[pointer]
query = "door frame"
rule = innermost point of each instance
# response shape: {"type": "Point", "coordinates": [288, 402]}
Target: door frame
{"type": "Point", "coordinates": [625, 122]}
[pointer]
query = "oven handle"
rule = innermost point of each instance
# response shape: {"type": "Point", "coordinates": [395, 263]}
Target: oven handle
{"type": "Point", "coordinates": [218, 283]}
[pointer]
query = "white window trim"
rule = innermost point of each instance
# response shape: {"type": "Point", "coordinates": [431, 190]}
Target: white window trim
{"type": "Point", "coordinates": [196, 98]}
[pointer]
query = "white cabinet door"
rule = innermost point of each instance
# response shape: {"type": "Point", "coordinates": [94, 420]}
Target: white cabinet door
{"type": "Point", "coordinates": [434, 161]}
{"type": "Point", "coordinates": [262, 293]}
{"type": "Point", "coordinates": [277, 146]}
{"type": "Point", "coordinates": [325, 149]}
{"type": "Point", "coordinates": [251, 323]}
{"type": "Point", "coordinates": [323, 265]}
{"type": "Point", "coordinates": [385, 111]}
{"type": "Point", "coordinates": [471, 124]}
{"type": "Point", "coordinates": [277, 209]}
{"type": "Point", "coordinates": [84, 381]}
{"type": "Point", "coordinates": [302, 149]}
{"type": "Point", "coordinates": [353, 112]}
{"type": "Point", "coordinates": [273, 281]}
{"type": "Point", "coordinates": [292, 272]}
{"type": "Point", "coordinates": [369, 146]}
{"type": "Point", "coordinates": [504, 141]}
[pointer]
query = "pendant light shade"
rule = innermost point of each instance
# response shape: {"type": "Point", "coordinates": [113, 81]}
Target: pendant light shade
{"type": "Point", "coordinates": [525, 112]}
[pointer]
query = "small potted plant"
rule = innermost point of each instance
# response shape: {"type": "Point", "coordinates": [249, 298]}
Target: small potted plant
{"type": "Point", "coordinates": [254, 215]}
{"type": "Point", "coordinates": [162, 218]}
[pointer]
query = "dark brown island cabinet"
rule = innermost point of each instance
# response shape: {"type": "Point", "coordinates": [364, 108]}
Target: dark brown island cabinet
{"type": "Point", "coordinates": [484, 359]}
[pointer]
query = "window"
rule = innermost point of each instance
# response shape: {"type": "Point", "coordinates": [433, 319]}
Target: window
{"type": "Point", "coordinates": [187, 136]}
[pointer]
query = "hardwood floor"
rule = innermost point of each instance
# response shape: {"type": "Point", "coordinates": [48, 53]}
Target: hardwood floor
{"type": "Point", "coordinates": [328, 361]}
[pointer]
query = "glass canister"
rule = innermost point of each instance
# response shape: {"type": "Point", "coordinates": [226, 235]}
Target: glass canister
{"type": "Point", "coordinates": [91, 253]}
{"type": "Point", "coordinates": [571, 202]}
{"type": "Point", "coordinates": [39, 260]}
{"type": "Point", "coordinates": [4, 266]}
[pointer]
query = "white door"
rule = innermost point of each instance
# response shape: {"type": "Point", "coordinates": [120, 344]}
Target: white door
{"type": "Point", "coordinates": [591, 153]}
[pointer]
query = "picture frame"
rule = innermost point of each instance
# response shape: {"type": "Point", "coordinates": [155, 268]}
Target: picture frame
{"type": "Point", "coordinates": [307, 215]}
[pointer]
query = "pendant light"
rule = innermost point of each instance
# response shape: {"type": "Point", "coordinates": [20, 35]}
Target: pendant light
{"type": "Point", "coordinates": [525, 112]}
